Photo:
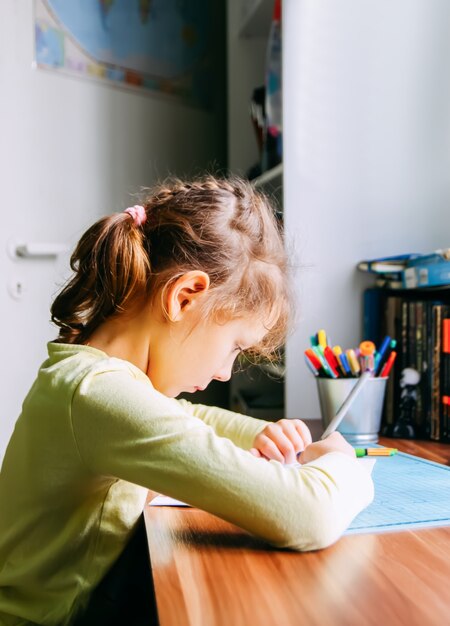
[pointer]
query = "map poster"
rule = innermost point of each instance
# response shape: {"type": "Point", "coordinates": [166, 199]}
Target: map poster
{"type": "Point", "coordinates": [161, 46]}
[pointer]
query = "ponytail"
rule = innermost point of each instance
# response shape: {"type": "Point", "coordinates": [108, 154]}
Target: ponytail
{"type": "Point", "coordinates": [110, 268]}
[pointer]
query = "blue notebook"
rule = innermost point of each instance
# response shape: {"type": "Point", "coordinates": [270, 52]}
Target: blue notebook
{"type": "Point", "coordinates": [410, 493]}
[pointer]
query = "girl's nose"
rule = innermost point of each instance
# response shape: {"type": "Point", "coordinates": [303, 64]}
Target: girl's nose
{"type": "Point", "coordinates": [224, 374]}
{"type": "Point", "coordinates": [222, 377]}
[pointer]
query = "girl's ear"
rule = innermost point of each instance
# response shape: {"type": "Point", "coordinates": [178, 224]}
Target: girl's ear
{"type": "Point", "coordinates": [184, 293]}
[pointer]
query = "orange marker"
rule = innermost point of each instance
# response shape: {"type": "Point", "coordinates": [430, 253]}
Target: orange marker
{"type": "Point", "coordinates": [366, 355]}
{"type": "Point", "coordinates": [313, 359]}
{"type": "Point", "coordinates": [366, 348]}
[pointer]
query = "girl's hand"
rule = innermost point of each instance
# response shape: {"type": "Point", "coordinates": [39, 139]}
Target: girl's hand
{"type": "Point", "coordinates": [333, 443]}
{"type": "Point", "coordinates": [282, 440]}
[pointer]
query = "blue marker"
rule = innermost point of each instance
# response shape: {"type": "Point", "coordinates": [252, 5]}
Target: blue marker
{"type": "Point", "coordinates": [344, 362]}
{"type": "Point", "coordinates": [380, 357]}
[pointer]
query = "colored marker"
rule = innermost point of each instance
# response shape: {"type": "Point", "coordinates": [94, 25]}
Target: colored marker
{"type": "Point", "coordinates": [360, 452]}
{"type": "Point", "coordinates": [318, 351]}
{"type": "Point", "coordinates": [324, 367]}
{"type": "Point", "coordinates": [311, 367]}
{"type": "Point", "coordinates": [337, 351]}
{"type": "Point", "coordinates": [344, 363]}
{"type": "Point", "coordinates": [366, 348]}
{"type": "Point", "coordinates": [388, 365]}
{"type": "Point", "coordinates": [366, 355]}
{"type": "Point", "coordinates": [313, 362]}
{"type": "Point", "coordinates": [322, 338]}
{"type": "Point", "coordinates": [353, 362]}
{"type": "Point", "coordinates": [313, 340]}
{"type": "Point", "coordinates": [331, 360]}
{"type": "Point", "coordinates": [331, 373]}
{"type": "Point", "coordinates": [382, 354]}
{"type": "Point", "coordinates": [384, 346]}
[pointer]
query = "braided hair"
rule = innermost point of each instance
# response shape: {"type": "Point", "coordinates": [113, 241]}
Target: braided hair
{"type": "Point", "coordinates": [221, 226]}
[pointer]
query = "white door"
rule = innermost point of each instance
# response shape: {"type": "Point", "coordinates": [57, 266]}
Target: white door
{"type": "Point", "coordinates": [70, 151]}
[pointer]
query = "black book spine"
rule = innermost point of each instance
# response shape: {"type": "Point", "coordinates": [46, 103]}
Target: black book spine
{"type": "Point", "coordinates": [412, 353]}
{"type": "Point", "coordinates": [419, 305]}
{"type": "Point", "coordinates": [428, 344]}
{"type": "Point", "coordinates": [436, 373]}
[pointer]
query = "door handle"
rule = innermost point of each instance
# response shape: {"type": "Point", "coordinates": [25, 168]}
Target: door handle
{"type": "Point", "coordinates": [32, 250]}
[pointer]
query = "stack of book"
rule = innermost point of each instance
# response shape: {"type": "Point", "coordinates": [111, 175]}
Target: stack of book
{"type": "Point", "coordinates": [410, 271]}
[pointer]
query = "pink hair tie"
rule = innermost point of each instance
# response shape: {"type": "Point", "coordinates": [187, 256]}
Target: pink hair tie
{"type": "Point", "coordinates": [138, 214]}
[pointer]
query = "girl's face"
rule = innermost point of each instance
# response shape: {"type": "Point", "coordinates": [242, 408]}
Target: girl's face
{"type": "Point", "coordinates": [189, 354]}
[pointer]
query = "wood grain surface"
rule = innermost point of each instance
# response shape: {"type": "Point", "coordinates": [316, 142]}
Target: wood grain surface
{"type": "Point", "coordinates": [208, 572]}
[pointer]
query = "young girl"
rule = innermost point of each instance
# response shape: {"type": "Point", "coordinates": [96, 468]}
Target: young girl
{"type": "Point", "coordinates": [163, 298]}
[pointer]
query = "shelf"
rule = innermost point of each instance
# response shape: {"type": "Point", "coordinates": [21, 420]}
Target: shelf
{"type": "Point", "coordinates": [257, 16]}
{"type": "Point", "coordinates": [272, 177]}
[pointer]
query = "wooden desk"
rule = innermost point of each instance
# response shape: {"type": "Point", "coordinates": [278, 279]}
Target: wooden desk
{"type": "Point", "coordinates": [208, 572]}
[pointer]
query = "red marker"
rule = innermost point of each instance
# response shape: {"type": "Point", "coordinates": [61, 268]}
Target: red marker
{"type": "Point", "coordinates": [312, 358]}
{"type": "Point", "coordinates": [331, 360]}
{"type": "Point", "coordinates": [388, 365]}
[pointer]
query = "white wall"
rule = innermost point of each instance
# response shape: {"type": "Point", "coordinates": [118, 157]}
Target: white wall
{"type": "Point", "coordinates": [70, 150]}
{"type": "Point", "coordinates": [366, 154]}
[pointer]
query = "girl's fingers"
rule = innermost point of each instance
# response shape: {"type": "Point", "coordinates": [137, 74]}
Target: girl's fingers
{"type": "Point", "coordinates": [255, 452]}
{"type": "Point", "coordinates": [291, 432]}
{"type": "Point", "coordinates": [295, 429]}
{"type": "Point", "coordinates": [274, 444]}
{"type": "Point", "coordinates": [303, 431]}
{"type": "Point", "coordinates": [283, 440]}
{"type": "Point", "coordinates": [269, 449]}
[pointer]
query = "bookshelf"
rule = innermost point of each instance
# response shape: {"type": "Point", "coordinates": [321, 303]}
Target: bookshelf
{"type": "Point", "coordinates": [248, 30]}
{"type": "Point", "coordinates": [416, 404]}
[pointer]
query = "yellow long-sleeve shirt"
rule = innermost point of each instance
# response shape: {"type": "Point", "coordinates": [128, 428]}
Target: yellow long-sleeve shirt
{"type": "Point", "coordinates": [93, 435]}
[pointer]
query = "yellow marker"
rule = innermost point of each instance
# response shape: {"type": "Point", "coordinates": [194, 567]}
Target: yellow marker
{"type": "Point", "coordinates": [337, 351]}
{"type": "Point", "coordinates": [353, 362]}
{"type": "Point", "coordinates": [360, 452]}
{"type": "Point", "coordinates": [322, 338]}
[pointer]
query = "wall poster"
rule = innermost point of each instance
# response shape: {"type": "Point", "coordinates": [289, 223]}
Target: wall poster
{"type": "Point", "coordinates": [162, 46]}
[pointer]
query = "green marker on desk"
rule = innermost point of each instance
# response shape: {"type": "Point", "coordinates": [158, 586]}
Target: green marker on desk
{"type": "Point", "coordinates": [360, 452]}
